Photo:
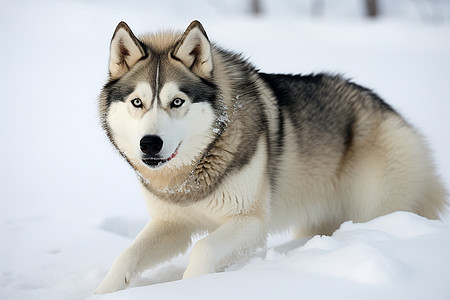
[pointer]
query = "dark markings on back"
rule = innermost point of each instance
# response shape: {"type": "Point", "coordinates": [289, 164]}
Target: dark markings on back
{"type": "Point", "coordinates": [323, 108]}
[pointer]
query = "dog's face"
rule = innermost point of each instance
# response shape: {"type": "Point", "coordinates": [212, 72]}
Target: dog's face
{"type": "Point", "coordinates": [159, 107]}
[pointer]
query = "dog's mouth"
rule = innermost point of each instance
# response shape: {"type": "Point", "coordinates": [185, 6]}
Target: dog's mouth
{"type": "Point", "coordinates": [156, 162]}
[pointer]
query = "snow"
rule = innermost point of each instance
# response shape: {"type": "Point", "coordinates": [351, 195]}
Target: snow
{"type": "Point", "coordinates": [70, 204]}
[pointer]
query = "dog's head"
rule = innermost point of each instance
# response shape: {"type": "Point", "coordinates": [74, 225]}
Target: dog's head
{"type": "Point", "coordinates": [160, 106]}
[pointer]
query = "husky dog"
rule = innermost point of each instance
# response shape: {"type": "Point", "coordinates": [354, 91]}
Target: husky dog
{"type": "Point", "coordinates": [222, 148]}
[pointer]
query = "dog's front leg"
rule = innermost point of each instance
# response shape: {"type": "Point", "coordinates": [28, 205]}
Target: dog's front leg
{"type": "Point", "coordinates": [234, 240]}
{"type": "Point", "coordinates": [157, 242]}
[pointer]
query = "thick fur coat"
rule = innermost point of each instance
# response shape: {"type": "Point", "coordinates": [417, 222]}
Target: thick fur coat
{"type": "Point", "coordinates": [222, 148]}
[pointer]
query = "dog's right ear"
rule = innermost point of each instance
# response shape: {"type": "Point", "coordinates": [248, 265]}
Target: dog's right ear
{"type": "Point", "coordinates": [125, 51]}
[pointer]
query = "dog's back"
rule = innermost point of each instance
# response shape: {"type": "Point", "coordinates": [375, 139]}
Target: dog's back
{"type": "Point", "coordinates": [346, 155]}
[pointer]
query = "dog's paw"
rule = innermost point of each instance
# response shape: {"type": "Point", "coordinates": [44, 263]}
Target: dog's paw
{"type": "Point", "coordinates": [118, 278]}
{"type": "Point", "coordinates": [112, 283]}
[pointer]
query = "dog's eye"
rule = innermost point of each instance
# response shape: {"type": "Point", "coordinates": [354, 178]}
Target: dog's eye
{"type": "Point", "coordinates": [177, 102]}
{"type": "Point", "coordinates": [137, 103]}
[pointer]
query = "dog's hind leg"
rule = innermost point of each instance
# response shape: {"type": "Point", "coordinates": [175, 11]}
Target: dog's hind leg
{"type": "Point", "coordinates": [157, 242]}
{"type": "Point", "coordinates": [234, 240]}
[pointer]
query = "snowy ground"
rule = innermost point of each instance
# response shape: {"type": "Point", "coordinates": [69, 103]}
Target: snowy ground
{"type": "Point", "coordinates": [70, 204]}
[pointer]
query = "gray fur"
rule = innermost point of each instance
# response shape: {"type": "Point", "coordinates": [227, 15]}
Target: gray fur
{"type": "Point", "coordinates": [284, 152]}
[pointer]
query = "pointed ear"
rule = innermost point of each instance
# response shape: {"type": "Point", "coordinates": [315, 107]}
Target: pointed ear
{"type": "Point", "coordinates": [194, 50]}
{"type": "Point", "coordinates": [125, 51]}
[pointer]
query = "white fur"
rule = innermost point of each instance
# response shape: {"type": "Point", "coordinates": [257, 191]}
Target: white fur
{"type": "Point", "coordinates": [390, 172]}
{"type": "Point", "coordinates": [235, 228]}
{"type": "Point", "coordinates": [176, 127]}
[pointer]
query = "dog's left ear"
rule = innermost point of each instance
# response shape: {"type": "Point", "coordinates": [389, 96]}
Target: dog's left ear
{"type": "Point", "coordinates": [125, 51]}
{"type": "Point", "coordinates": [194, 50]}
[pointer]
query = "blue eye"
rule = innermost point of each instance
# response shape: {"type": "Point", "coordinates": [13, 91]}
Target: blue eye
{"type": "Point", "coordinates": [137, 102]}
{"type": "Point", "coordinates": [177, 102]}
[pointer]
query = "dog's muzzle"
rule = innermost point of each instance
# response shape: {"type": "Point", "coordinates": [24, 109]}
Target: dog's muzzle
{"type": "Point", "coordinates": [151, 146]}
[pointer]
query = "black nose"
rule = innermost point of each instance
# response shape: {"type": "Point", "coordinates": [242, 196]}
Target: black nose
{"type": "Point", "coordinates": [151, 144]}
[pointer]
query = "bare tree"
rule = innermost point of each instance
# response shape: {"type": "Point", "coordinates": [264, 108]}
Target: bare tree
{"type": "Point", "coordinates": [372, 8]}
{"type": "Point", "coordinates": [256, 7]}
